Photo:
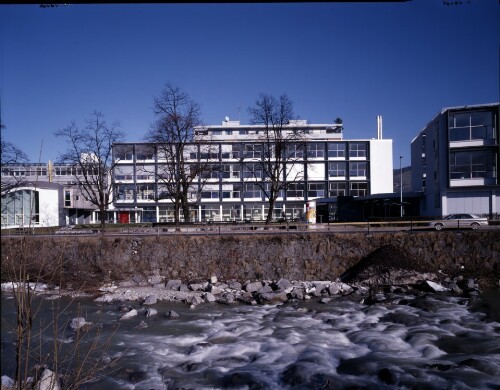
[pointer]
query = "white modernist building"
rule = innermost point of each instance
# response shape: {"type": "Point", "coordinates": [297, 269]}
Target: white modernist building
{"type": "Point", "coordinates": [324, 165]}
{"type": "Point", "coordinates": [45, 195]}
{"type": "Point", "coordinates": [455, 161]}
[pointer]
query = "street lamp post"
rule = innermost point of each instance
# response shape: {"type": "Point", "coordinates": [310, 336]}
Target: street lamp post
{"type": "Point", "coordinates": [401, 185]}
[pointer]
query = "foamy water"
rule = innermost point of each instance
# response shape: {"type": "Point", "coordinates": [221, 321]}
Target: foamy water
{"type": "Point", "coordinates": [431, 342]}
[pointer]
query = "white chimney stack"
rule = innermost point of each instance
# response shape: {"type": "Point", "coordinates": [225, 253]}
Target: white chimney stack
{"type": "Point", "coordinates": [379, 126]}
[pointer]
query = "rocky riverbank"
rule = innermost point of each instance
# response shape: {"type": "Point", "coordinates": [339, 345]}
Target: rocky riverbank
{"type": "Point", "coordinates": [387, 269]}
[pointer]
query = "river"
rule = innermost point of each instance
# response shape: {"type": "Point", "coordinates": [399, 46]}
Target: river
{"type": "Point", "coordinates": [433, 341]}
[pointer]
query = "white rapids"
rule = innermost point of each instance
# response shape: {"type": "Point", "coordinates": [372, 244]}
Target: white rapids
{"type": "Point", "coordinates": [431, 342]}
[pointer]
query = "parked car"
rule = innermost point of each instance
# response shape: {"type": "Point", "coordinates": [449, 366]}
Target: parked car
{"type": "Point", "coordinates": [460, 221]}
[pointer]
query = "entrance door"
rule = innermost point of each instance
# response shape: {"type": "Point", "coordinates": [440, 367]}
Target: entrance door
{"type": "Point", "coordinates": [123, 217]}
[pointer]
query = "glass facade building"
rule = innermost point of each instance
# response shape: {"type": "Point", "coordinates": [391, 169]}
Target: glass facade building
{"type": "Point", "coordinates": [455, 161]}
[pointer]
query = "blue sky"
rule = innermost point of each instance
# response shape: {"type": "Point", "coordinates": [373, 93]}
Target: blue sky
{"type": "Point", "coordinates": [404, 61]}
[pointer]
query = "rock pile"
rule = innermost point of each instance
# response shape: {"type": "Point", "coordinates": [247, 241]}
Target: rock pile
{"type": "Point", "coordinates": [282, 290]}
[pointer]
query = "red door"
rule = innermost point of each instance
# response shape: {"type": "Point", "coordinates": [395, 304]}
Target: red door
{"type": "Point", "coordinates": [123, 217]}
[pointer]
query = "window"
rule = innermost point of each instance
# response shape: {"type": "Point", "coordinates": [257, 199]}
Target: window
{"type": "Point", "coordinates": [472, 164]}
{"type": "Point", "coordinates": [123, 152]}
{"type": "Point", "coordinates": [337, 169]}
{"type": "Point", "coordinates": [67, 198]}
{"type": "Point", "coordinates": [316, 190]}
{"type": "Point", "coordinates": [471, 126]}
{"type": "Point", "coordinates": [252, 151]}
{"type": "Point", "coordinates": [231, 171]}
{"type": "Point", "coordinates": [210, 194]}
{"type": "Point", "coordinates": [235, 193]}
{"type": "Point", "coordinates": [295, 151]}
{"type": "Point", "coordinates": [316, 150]}
{"type": "Point", "coordinates": [145, 192]}
{"type": "Point", "coordinates": [337, 189]}
{"type": "Point", "coordinates": [357, 149]}
{"type": "Point", "coordinates": [295, 190]}
{"type": "Point", "coordinates": [209, 155]}
{"type": "Point", "coordinates": [252, 191]}
{"type": "Point", "coordinates": [125, 192]}
{"type": "Point", "coordinates": [358, 189]}
{"type": "Point", "coordinates": [210, 172]}
{"type": "Point", "coordinates": [252, 171]}
{"type": "Point", "coordinates": [357, 169]}
{"type": "Point", "coordinates": [336, 149]}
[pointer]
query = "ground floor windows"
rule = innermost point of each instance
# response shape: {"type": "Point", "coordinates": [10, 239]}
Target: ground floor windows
{"type": "Point", "coordinates": [21, 208]}
{"type": "Point", "coordinates": [358, 188]}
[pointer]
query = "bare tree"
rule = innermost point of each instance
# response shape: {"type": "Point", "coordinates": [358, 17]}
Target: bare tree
{"type": "Point", "coordinates": [11, 155]}
{"type": "Point", "coordinates": [182, 158]}
{"type": "Point", "coordinates": [90, 151]}
{"type": "Point", "coordinates": [281, 148]}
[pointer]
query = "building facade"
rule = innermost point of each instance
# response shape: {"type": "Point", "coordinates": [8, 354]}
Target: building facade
{"type": "Point", "coordinates": [45, 195]}
{"type": "Point", "coordinates": [323, 164]}
{"type": "Point", "coordinates": [455, 161]}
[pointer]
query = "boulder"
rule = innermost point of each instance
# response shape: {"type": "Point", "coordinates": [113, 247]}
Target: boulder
{"type": "Point", "coordinates": [209, 297]}
{"type": "Point", "coordinates": [48, 381]}
{"type": "Point", "coordinates": [253, 286]}
{"type": "Point", "coordinates": [8, 383]}
{"type": "Point", "coordinates": [283, 284]}
{"type": "Point", "coordinates": [150, 312]}
{"type": "Point", "coordinates": [173, 284]}
{"type": "Point", "coordinates": [226, 299]}
{"type": "Point", "coordinates": [436, 286]}
{"type": "Point", "coordinates": [78, 322]}
{"type": "Point", "coordinates": [196, 300]}
{"type": "Point", "coordinates": [265, 289]}
{"type": "Point", "coordinates": [214, 289]}
{"type": "Point", "coordinates": [297, 293]}
{"type": "Point", "coordinates": [234, 285]}
{"type": "Point", "coordinates": [213, 279]}
{"type": "Point", "coordinates": [130, 314]}
{"type": "Point", "coordinates": [172, 314]}
{"type": "Point", "coordinates": [270, 298]}
{"type": "Point", "coordinates": [150, 300]}
{"type": "Point", "coordinates": [155, 279]}
{"type": "Point", "coordinates": [196, 287]}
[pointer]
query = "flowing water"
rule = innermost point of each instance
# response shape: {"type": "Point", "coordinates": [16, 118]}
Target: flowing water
{"type": "Point", "coordinates": [428, 342]}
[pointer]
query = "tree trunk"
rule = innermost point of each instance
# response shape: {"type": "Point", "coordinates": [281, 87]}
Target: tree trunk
{"type": "Point", "coordinates": [186, 209]}
{"type": "Point", "coordinates": [176, 213]}
{"type": "Point", "coordinates": [269, 217]}
{"type": "Point", "coordinates": [102, 216]}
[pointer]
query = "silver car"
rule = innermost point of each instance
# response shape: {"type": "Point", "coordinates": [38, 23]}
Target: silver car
{"type": "Point", "coordinates": [460, 221]}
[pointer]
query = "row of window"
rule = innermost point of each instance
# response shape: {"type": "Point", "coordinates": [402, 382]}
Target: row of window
{"type": "Point", "coordinates": [248, 171]}
{"type": "Point", "coordinates": [258, 150]}
{"type": "Point", "coordinates": [56, 171]}
{"type": "Point", "coordinates": [250, 190]}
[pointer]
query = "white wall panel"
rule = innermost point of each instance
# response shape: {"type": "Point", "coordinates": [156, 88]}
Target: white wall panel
{"type": "Point", "coordinates": [381, 175]}
{"type": "Point", "coordinates": [316, 171]}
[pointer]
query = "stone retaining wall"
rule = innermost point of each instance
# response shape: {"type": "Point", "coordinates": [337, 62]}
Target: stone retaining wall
{"type": "Point", "coordinates": [301, 256]}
